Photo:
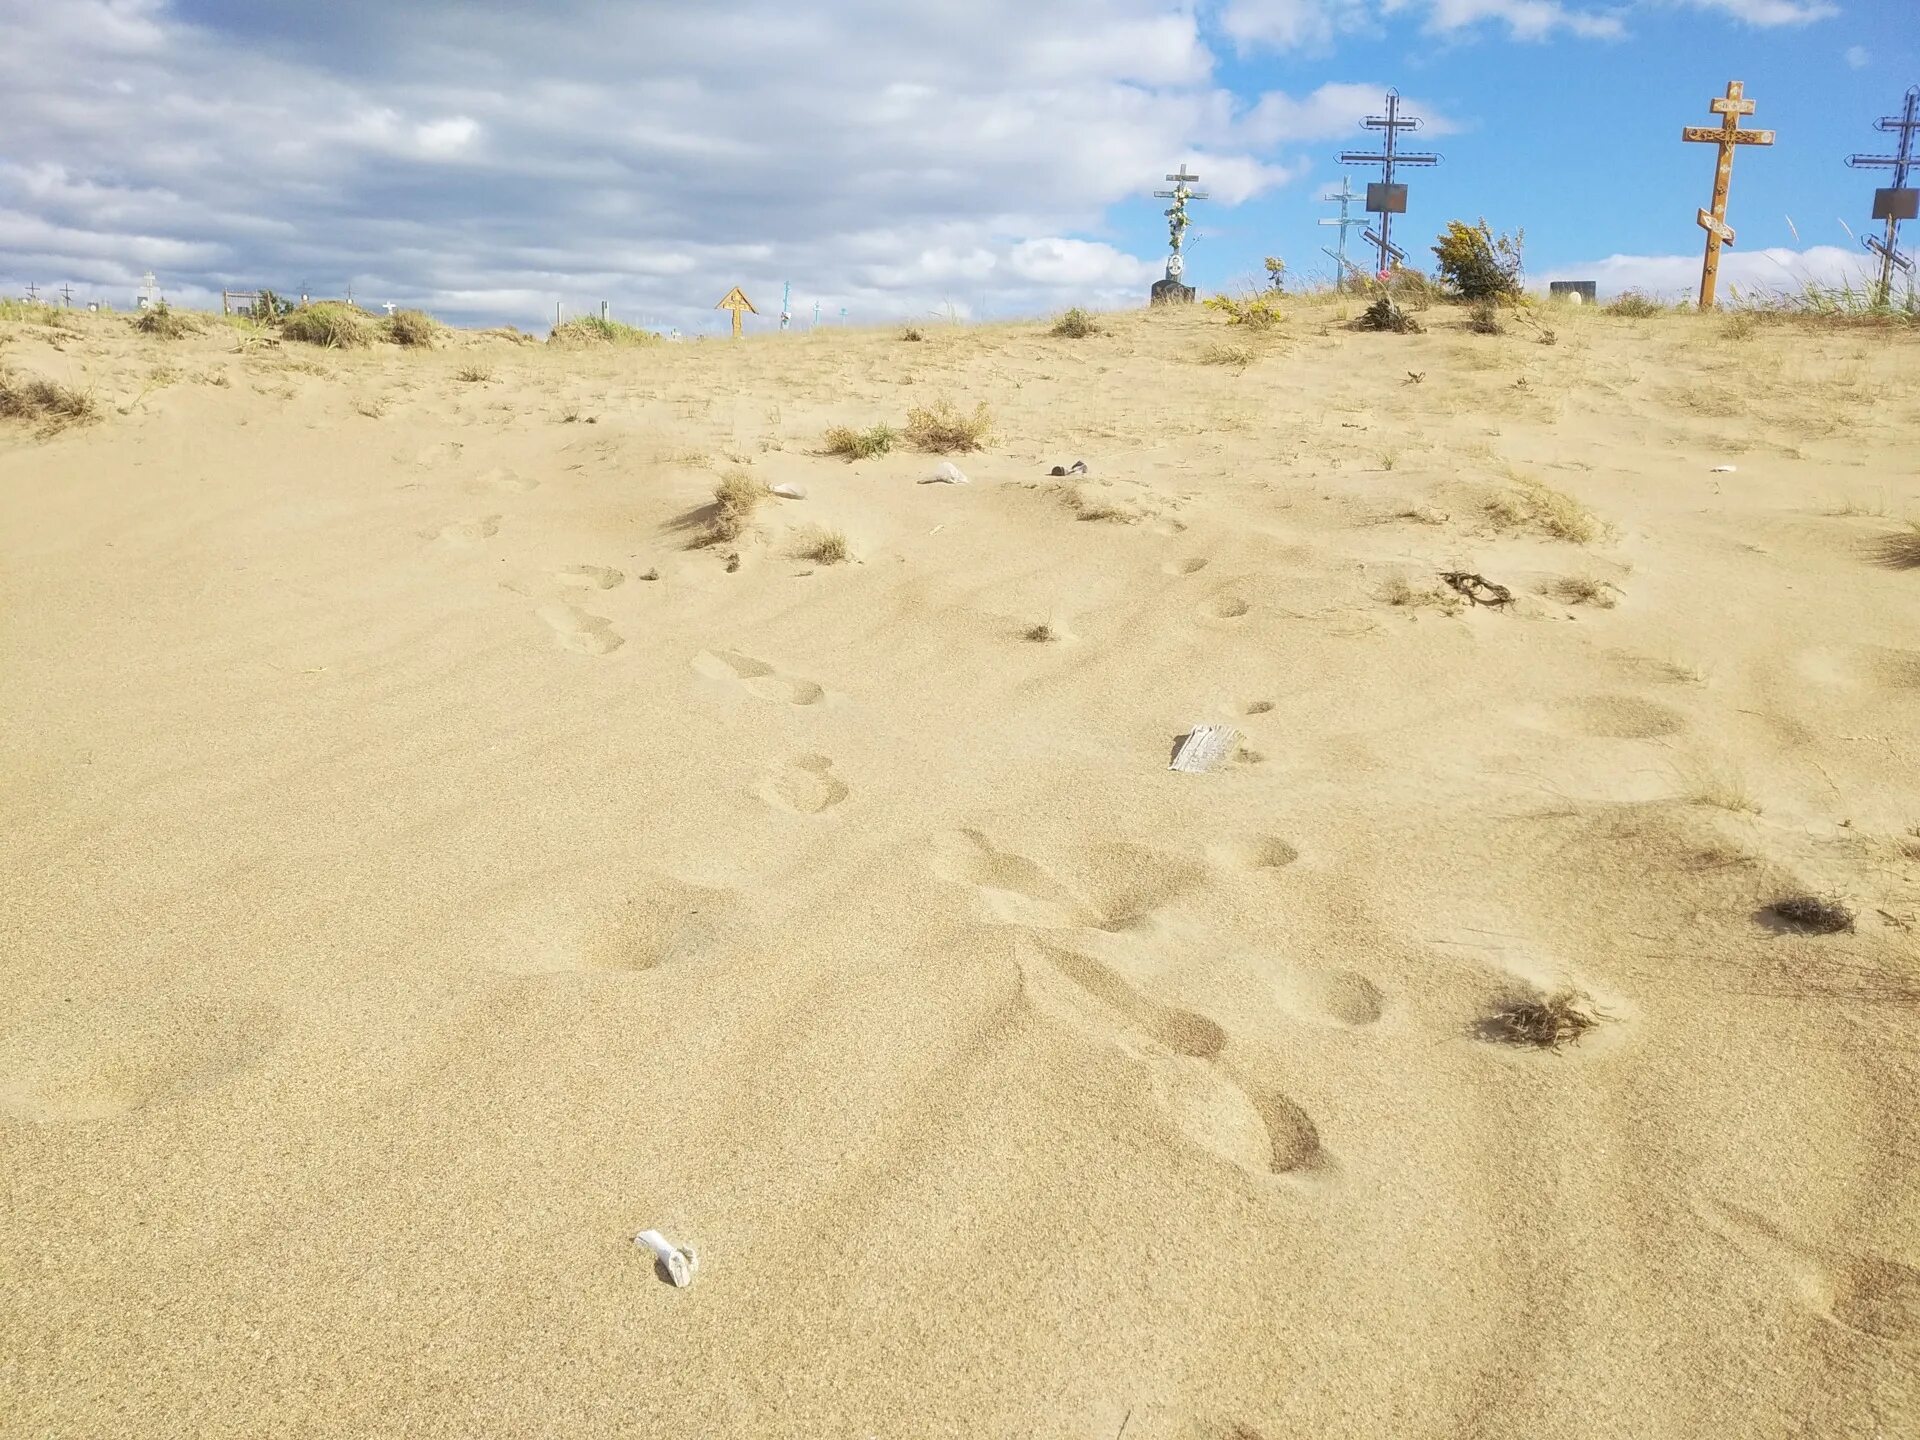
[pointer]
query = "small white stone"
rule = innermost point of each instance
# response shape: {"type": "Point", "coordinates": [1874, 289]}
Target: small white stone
{"type": "Point", "coordinates": [788, 492]}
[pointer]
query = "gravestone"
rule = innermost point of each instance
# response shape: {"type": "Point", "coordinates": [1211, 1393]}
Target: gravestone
{"type": "Point", "coordinates": [1171, 292]}
{"type": "Point", "coordinates": [1580, 292]}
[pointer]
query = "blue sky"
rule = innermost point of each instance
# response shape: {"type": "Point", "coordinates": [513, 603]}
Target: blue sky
{"type": "Point", "coordinates": [486, 160]}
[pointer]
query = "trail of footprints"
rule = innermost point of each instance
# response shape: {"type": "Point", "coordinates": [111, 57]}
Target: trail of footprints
{"type": "Point", "coordinates": [1207, 1094]}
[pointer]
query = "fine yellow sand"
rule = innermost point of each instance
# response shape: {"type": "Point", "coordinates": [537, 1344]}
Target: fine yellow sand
{"type": "Point", "coordinates": [426, 866]}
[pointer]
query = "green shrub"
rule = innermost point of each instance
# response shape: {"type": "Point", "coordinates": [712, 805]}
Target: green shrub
{"type": "Point", "coordinates": [330, 323]}
{"type": "Point", "coordinates": [1476, 264]}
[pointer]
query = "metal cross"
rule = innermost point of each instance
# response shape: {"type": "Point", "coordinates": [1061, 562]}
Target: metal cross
{"type": "Point", "coordinates": [1386, 199]}
{"type": "Point", "coordinates": [66, 296]}
{"type": "Point", "coordinates": [1176, 214]}
{"type": "Point", "coordinates": [1726, 135]}
{"type": "Point", "coordinates": [33, 291]}
{"type": "Point", "coordinates": [1896, 202]}
{"type": "Point", "coordinates": [1345, 197]}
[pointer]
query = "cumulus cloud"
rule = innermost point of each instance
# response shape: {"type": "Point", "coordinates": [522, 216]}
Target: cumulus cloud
{"type": "Point", "coordinates": [485, 159]}
{"type": "Point", "coordinates": [1767, 13]}
{"type": "Point", "coordinates": [1314, 24]}
{"type": "Point", "coordinates": [1756, 273]}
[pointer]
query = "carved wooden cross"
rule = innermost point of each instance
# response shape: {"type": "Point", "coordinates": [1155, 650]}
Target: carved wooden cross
{"type": "Point", "coordinates": [736, 302]}
{"type": "Point", "coordinates": [1726, 135]}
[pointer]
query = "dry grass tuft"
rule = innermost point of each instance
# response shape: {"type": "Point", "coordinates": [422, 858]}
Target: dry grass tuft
{"type": "Point", "coordinates": [30, 398]}
{"type": "Point", "coordinates": [735, 499]}
{"type": "Point", "coordinates": [1224, 354]}
{"type": "Point", "coordinates": [1721, 787]}
{"type": "Point", "coordinates": [1076, 324]}
{"type": "Point", "coordinates": [1635, 306]}
{"type": "Point", "coordinates": [1535, 505]}
{"type": "Point", "coordinates": [1484, 319]}
{"type": "Point", "coordinates": [336, 326]}
{"type": "Point", "coordinates": [942, 429]}
{"type": "Point", "coordinates": [825, 547]}
{"type": "Point", "coordinates": [1386, 314]}
{"type": "Point", "coordinates": [1541, 1022]}
{"type": "Point", "coordinates": [474, 374]}
{"type": "Point", "coordinates": [860, 444]}
{"type": "Point", "coordinates": [413, 328]}
{"type": "Point", "coordinates": [1041, 634]}
{"type": "Point", "coordinates": [1812, 914]}
{"type": "Point", "coordinates": [1402, 595]}
{"type": "Point", "coordinates": [1584, 590]}
{"type": "Point", "coordinates": [165, 323]}
{"type": "Point", "coordinates": [912, 333]}
{"type": "Point", "coordinates": [1900, 550]}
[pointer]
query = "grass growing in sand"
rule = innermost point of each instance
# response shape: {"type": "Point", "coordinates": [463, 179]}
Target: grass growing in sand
{"type": "Point", "coordinates": [941, 428]}
{"type": "Point", "coordinates": [336, 326]}
{"type": "Point", "coordinates": [1584, 590]}
{"type": "Point", "coordinates": [165, 323]}
{"type": "Point", "coordinates": [1226, 354]}
{"type": "Point", "coordinates": [474, 374]}
{"type": "Point", "coordinates": [860, 444]}
{"type": "Point", "coordinates": [1901, 549]}
{"type": "Point", "coordinates": [27, 397]}
{"type": "Point", "coordinates": [1400, 593]}
{"type": "Point", "coordinates": [586, 331]}
{"type": "Point", "coordinates": [735, 499]}
{"type": "Point", "coordinates": [1720, 786]}
{"type": "Point", "coordinates": [413, 328]}
{"type": "Point", "coordinates": [1540, 1021]}
{"type": "Point", "coordinates": [1532, 504]}
{"type": "Point", "coordinates": [1635, 306]}
{"type": "Point", "coordinates": [1076, 324]}
{"type": "Point", "coordinates": [1813, 914]}
{"type": "Point", "coordinates": [825, 547]}
{"type": "Point", "coordinates": [1041, 634]}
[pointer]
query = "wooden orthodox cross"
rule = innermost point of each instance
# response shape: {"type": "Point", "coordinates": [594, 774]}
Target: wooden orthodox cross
{"type": "Point", "coordinates": [736, 302]}
{"type": "Point", "coordinates": [1898, 201]}
{"type": "Point", "coordinates": [1726, 135]}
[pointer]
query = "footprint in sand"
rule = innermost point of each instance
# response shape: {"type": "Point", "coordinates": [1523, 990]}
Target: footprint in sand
{"type": "Point", "coordinates": [1192, 566]}
{"type": "Point", "coordinates": [1120, 886]}
{"type": "Point", "coordinates": [1208, 1100]}
{"type": "Point", "coordinates": [501, 482]}
{"type": "Point", "coordinates": [1256, 707]}
{"type": "Point", "coordinates": [553, 925]}
{"type": "Point", "coordinates": [1226, 607]}
{"type": "Point", "coordinates": [808, 786]}
{"type": "Point", "coordinates": [1252, 852]}
{"type": "Point", "coordinates": [466, 532]}
{"type": "Point", "coordinates": [1615, 717]}
{"type": "Point", "coordinates": [1868, 1294]}
{"type": "Point", "coordinates": [580, 632]}
{"type": "Point", "coordinates": [589, 577]}
{"type": "Point", "coordinates": [1343, 998]}
{"type": "Point", "coordinates": [757, 676]}
{"type": "Point", "coordinates": [124, 1056]}
{"type": "Point", "coordinates": [443, 453]}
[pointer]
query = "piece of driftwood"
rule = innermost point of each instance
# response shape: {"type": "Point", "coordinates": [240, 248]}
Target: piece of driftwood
{"type": "Point", "coordinates": [1477, 588]}
{"type": "Point", "coordinates": [1204, 748]}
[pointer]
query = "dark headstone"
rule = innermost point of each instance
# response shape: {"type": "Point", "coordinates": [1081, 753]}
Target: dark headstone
{"type": "Point", "coordinates": [1171, 292]}
{"type": "Point", "coordinates": [1586, 290]}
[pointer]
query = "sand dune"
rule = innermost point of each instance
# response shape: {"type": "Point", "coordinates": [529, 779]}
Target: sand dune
{"type": "Point", "coordinates": [428, 865]}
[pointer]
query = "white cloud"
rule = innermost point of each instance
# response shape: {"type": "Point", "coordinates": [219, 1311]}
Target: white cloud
{"type": "Point", "coordinates": [1857, 57]}
{"type": "Point", "coordinates": [1756, 273]}
{"type": "Point", "coordinates": [1309, 24]}
{"type": "Point", "coordinates": [1332, 112]}
{"type": "Point", "coordinates": [1767, 13]}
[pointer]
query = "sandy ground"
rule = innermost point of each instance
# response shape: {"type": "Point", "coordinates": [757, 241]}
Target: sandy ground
{"type": "Point", "coordinates": [424, 869]}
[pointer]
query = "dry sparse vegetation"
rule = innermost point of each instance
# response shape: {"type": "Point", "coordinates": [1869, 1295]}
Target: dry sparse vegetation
{"type": "Point", "coordinates": [912, 333]}
{"type": "Point", "coordinates": [824, 547]}
{"type": "Point", "coordinates": [165, 323]}
{"type": "Point", "coordinates": [1225, 354]}
{"type": "Point", "coordinates": [1484, 319]}
{"type": "Point", "coordinates": [860, 444]}
{"type": "Point", "coordinates": [1720, 786]}
{"type": "Point", "coordinates": [1584, 590]}
{"type": "Point", "coordinates": [1532, 504]}
{"type": "Point", "coordinates": [1812, 914]}
{"type": "Point", "coordinates": [1385, 314]}
{"type": "Point", "coordinates": [1400, 593]}
{"type": "Point", "coordinates": [1041, 634]}
{"type": "Point", "coordinates": [1541, 1022]}
{"type": "Point", "coordinates": [1901, 549]}
{"type": "Point", "coordinates": [31, 398]}
{"type": "Point", "coordinates": [1636, 306]}
{"type": "Point", "coordinates": [329, 323]}
{"type": "Point", "coordinates": [1076, 324]}
{"type": "Point", "coordinates": [735, 499]}
{"type": "Point", "coordinates": [474, 374]}
{"type": "Point", "coordinates": [413, 328]}
{"type": "Point", "coordinates": [1088, 505]}
{"type": "Point", "coordinates": [942, 428]}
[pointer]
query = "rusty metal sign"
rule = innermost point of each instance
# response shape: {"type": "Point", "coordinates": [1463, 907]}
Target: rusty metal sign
{"type": "Point", "coordinates": [1727, 134]}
